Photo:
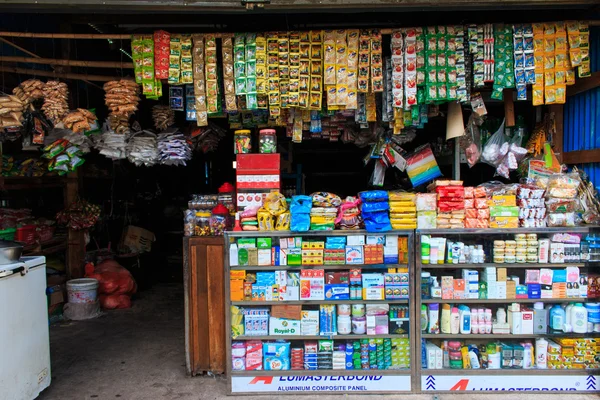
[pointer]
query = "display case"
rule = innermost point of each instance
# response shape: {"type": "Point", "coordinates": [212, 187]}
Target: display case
{"type": "Point", "coordinates": [319, 311]}
{"type": "Point", "coordinates": [521, 304]}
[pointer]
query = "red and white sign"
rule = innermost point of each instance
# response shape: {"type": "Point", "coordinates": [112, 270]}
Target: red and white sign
{"type": "Point", "coordinates": [320, 383]}
{"type": "Point", "coordinates": [550, 383]}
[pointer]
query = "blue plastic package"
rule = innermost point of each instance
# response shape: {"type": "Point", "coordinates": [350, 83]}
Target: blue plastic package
{"type": "Point", "coordinates": [301, 204]}
{"type": "Point", "coordinates": [376, 206]}
{"type": "Point", "coordinates": [373, 195]}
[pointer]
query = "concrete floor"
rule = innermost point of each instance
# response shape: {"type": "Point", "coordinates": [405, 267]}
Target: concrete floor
{"type": "Point", "coordinates": [138, 354]}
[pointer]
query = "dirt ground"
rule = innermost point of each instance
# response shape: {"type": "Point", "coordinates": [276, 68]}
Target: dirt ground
{"type": "Point", "coordinates": [139, 354]}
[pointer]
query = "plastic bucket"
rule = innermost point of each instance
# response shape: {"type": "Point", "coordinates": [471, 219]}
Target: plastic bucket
{"type": "Point", "coordinates": [83, 290]}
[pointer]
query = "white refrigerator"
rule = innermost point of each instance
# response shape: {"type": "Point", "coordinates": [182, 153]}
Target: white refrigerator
{"type": "Point", "coordinates": [24, 338]}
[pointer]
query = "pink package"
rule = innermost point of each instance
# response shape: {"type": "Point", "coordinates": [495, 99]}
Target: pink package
{"type": "Point", "coordinates": [426, 201]}
{"type": "Point", "coordinates": [469, 203]}
{"type": "Point", "coordinates": [469, 192]}
{"type": "Point", "coordinates": [481, 203]}
{"type": "Point", "coordinates": [483, 213]}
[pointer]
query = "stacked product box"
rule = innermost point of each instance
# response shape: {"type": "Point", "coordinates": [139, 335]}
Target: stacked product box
{"type": "Point", "coordinates": [450, 204]}
{"type": "Point", "coordinates": [426, 206]}
{"type": "Point", "coordinates": [256, 175]}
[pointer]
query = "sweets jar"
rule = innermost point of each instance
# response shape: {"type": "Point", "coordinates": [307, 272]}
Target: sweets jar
{"type": "Point", "coordinates": [202, 223]}
{"type": "Point", "coordinates": [267, 141]}
{"type": "Point", "coordinates": [242, 142]}
{"type": "Point", "coordinates": [218, 220]}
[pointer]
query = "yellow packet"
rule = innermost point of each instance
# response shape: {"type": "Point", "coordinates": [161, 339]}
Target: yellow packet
{"type": "Point", "coordinates": [550, 94]}
{"type": "Point", "coordinates": [575, 57]}
{"type": "Point", "coordinates": [561, 94]}
{"type": "Point", "coordinates": [560, 77]}
{"type": "Point", "coordinates": [538, 62]}
{"type": "Point", "coordinates": [538, 28]}
{"type": "Point", "coordinates": [549, 61]}
{"type": "Point", "coordinates": [570, 77]}
{"type": "Point", "coordinates": [549, 44]}
{"type": "Point", "coordinates": [560, 43]}
{"type": "Point", "coordinates": [548, 77]}
{"type": "Point", "coordinates": [538, 44]}
{"type": "Point", "coordinates": [538, 94]}
{"type": "Point", "coordinates": [560, 60]}
{"type": "Point", "coordinates": [549, 28]}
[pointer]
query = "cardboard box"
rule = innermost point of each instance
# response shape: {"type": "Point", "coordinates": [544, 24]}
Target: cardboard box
{"type": "Point", "coordinates": [376, 239]}
{"type": "Point", "coordinates": [309, 322]}
{"type": "Point", "coordinates": [373, 254]}
{"type": "Point", "coordinates": [286, 312]}
{"type": "Point", "coordinates": [294, 256]}
{"type": "Point", "coordinates": [355, 240]}
{"type": "Point", "coordinates": [503, 200]}
{"type": "Point", "coordinates": [264, 256]}
{"type": "Point", "coordinates": [354, 254]}
{"type": "Point", "coordinates": [283, 327]}
{"type": "Point", "coordinates": [501, 274]}
{"type": "Point", "coordinates": [504, 211]}
{"type": "Point", "coordinates": [337, 291]}
{"type": "Point", "coordinates": [312, 284]}
{"type": "Point", "coordinates": [236, 289]}
{"type": "Point", "coordinates": [137, 240]}
{"type": "Point", "coordinates": [504, 222]}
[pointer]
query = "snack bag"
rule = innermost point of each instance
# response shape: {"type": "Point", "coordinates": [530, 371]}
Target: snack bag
{"type": "Point", "coordinates": [283, 222]}
{"type": "Point", "coordinates": [349, 216]}
{"type": "Point", "coordinates": [265, 220]}
{"type": "Point", "coordinates": [275, 203]}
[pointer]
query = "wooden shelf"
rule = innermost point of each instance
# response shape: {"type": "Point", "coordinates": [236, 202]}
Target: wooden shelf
{"type": "Point", "coordinates": [321, 372]}
{"type": "Point", "coordinates": [319, 337]}
{"type": "Point", "coordinates": [501, 301]}
{"type": "Point", "coordinates": [309, 302]}
{"type": "Point", "coordinates": [508, 266]}
{"type": "Point", "coordinates": [25, 183]}
{"type": "Point", "coordinates": [519, 371]}
{"type": "Point", "coordinates": [342, 266]}
{"type": "Point", "coordinates": [504, 231]}
{"type": "Point", "coordinates": [237, 234]}
{"type": "Point", "coordinates": [509, 336]}
{"type": "Point", "coordinates": [51, 246]}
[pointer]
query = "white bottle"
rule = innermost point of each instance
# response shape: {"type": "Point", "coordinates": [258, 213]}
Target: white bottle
{"type": "Point", "coordinates": [481, 254]}
{"type": "Point", "coordinates": [527, 356]}
{"type": "Point", "coordinates": [579, 318]}
{"type": "Point", "coordinates": [541, 353]}
{"type": "Point", "coordinates": [454, 321]}
{"type": "Point", "coordinates": [568, 314]}
{"type": "Point", "coordinates": [474, 360]}
{"type": "Point", "coordinates": [465, 320]}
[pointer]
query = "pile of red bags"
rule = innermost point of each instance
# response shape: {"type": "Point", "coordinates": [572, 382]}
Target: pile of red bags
{"type": "Point", "coordinates": [116, 284]}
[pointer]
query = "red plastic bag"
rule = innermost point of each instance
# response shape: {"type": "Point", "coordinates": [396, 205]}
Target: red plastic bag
{"type": "Point", "coordinates": [116, 285]}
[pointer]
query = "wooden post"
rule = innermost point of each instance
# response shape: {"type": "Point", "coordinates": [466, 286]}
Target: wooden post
{"type": "Point", "coordinates": [509, 108]}
{"type": "Point", "coordinates": [75, 239]}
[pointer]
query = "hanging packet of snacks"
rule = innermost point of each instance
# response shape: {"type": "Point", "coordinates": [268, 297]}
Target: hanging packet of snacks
{"type": "Point", "coordinates": [228, 76]}
{"type": "Point", "coordinates": [419, 35]}
{"type": "Point", "coordinates": [504, 75]}
{"type": "Point", "coordinates": [316, 70]}
{"type": "Point", "coordinates": [296, 84]}
{"type": "Point", "coordinates": [352, 71]}
{"type": "Point", "coordinates": [584, 69]}
{"type": "Point", "coordinates": [283, 58]}
{"type": "Point", "coordinates": [377, 62]}
{"type": "Point", "coordinates": [273, 88]}
{"type": "Point", "coordinates": [174, 59]}
{"type": "Point", "coordinates": [161, 54]}
{"type": "Point", "coordinates": [341, 69]}
{"type": "Point", "coordinates": [397, 65]}
{"type": "Point", "coordinates": [210, 74]}
{"type": "Point", "coordinates": [304, 70]}
{"type": "Point", "coordinates": [190, 103]}
{"type": "Point", "coordinates": [176, 98]}
{"type": "Point", "coordinates": [477, 50]}
{"type": "Point", "coordinates": [460, 86]}
{"type": "Point", "coordinates": [364, 58]}
{"type": "Point", "coordinates": [410, 69]}
{"type": "Point", "coordinates": [148, 80]}
{"type": "Point", "coordinates": [452, 33]}
{"type": "Point", "coordinates": [371, 106]}
{"type": "Point", "coordinates": [187, 69]}
{"type": "Point", "coordinates": [329, 72]}
{"type": "Point", "coordinates": [524, 60]}
{"type": "Point", "coordinates": [239, 64]}
{"type": "Point", "coordinates": [262, 97]}
{"type": "Point", "coordinates": [488, 53]}
{"type": "Point", "coordinates": [250, 66]}
{"type": "Point", "coordinates": [199, 80]}
{"type": "Point", "coordinates": [137, 54]}
{"type": "Point", "coordinates": [537, 90]}
{"type": "Point", "coordinates": [387, 99]}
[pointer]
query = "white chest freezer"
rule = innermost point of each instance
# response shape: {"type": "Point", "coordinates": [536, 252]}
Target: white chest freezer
{"type": "Point", "coordinates": [24, 338]}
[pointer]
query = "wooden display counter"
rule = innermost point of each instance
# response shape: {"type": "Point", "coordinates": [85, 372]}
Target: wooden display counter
{"type": "Point", "coordinates": [204, 273]}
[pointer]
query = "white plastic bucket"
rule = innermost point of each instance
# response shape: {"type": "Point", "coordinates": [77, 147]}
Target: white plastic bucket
{"type": "Point", "coordinates": [84, 290]}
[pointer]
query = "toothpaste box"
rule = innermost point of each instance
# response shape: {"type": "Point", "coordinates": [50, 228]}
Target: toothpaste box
{"type": "Point", "coordinates": [355, 255]}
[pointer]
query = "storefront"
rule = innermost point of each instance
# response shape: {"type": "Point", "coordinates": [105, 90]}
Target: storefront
{"type": "Point", "coordinates": [374, 205]}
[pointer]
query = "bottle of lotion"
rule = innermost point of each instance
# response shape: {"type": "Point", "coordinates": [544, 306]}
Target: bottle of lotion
{"type": "Point", "coordinates": [579, 318]}
{"type": "Point", "coordinates": [423, 318]}
{"type": "Point", "coordinates": [454, 321]}
{"type": "Point", "coordinates": [445, 320]}
{"type": "Point", "coordinates": [434, 317]}
{"type": "Point", "coordinates": [465, 319]}
{"type": "Point", "coordinates": [541, 353]}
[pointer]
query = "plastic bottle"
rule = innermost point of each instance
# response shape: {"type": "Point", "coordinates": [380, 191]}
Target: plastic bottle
{"type": "Point", "coordinates": [445, 320]}
{"type": "Point", "coordinates": [423, 318]}
{"type": "Point", "coordinates": [568, 313]}
{"type": "Point", "coordinates": [425, 239]}
{"type": "Point", "coordinates": [433, 250]}
{"type": "Point", "coordinates": [527, 356]}
{"type": "Point", "coordinates": [579, 318]}
{"type": "Point", "coordinates": [465, 319]}
{"type": "Point", "coordinates": [454, 321]}
{"type": "Point", "coordinates": [434, 318]}
{"type": "Point", "coordinates": [540, 318]}
{"type": "Point", "coordinates": [436, 290]}
{"type": "Point", "coordinates": [474, 359]}
{"type": "Point", "coordinates": [481, 254]}
{"type": "Point", "coordinates": [541, 353]}
{"type": "Point", "coordinates": [557, 318]}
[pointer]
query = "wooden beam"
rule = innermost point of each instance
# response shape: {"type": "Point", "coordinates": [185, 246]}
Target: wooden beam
{"type": "Point", "coordinates": [101, 36]}
{"type": "Point", "coordinates": [70, 63]}
{"type": "Point", "coordinates": [75, 239]}
{"type": "Point", "coordinates": [558, 136]}
{"type": "Point", "coordinates": [581, 157]}
{"type": "Point", "coordinates": [36, 56]}
{"type": "Point", "coordinates": [51, 74]}
{"type": "Point", "coordinates": [584, 84]}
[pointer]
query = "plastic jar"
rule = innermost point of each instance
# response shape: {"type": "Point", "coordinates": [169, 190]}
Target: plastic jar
{"type": "Point", "coordinates": [344, 324]}
{"type": "Point", "coordinates": [499, 259]}
{"type": "Point", "coordinates": [520, 236]}
{"type": "Point", "coordinates": [359, 325]}
{"type": "Point", "coordinates": [218, 220]}
{"type": "Point", "coordinates": [202, 223]}
{"type": "Point", "coordinates": [510, 259]}
{"type": "Point", "coordinates": [242, 142]}
{"type": "Point", "coordinates": [532, 236]}
{"type": "Point", "coordinates": [267, 141]}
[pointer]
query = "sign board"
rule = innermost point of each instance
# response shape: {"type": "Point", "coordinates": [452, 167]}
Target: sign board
{"type": "Point", "coordinates": [551, 383]}
{"type": "Point", "coordinates": [320, 383]}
